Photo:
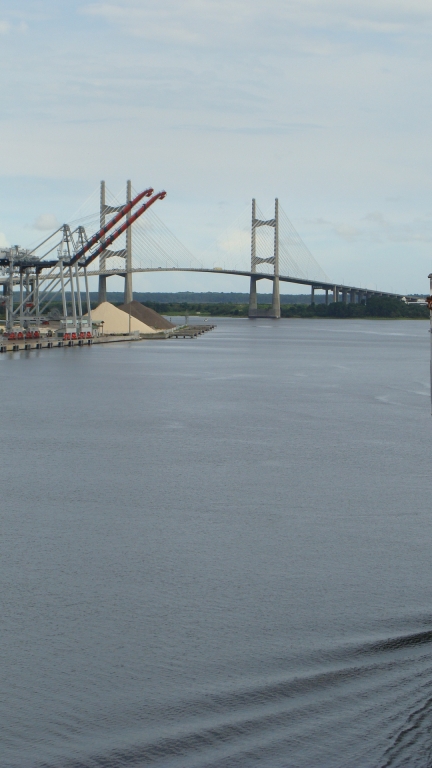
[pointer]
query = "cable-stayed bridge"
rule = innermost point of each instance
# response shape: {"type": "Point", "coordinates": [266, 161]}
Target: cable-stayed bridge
{"type": "Point", "coordinates": [266, 247]}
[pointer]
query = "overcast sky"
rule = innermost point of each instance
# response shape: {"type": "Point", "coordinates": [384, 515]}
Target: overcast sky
{"type": "Point", "coordinates": [323, 103]}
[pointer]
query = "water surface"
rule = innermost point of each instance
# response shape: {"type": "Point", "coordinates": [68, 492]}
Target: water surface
{"type": "Point", "coordinates": [216, 553]}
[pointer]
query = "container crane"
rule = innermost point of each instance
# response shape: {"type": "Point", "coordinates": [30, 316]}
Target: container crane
{"type": "Point", "coordinates": [74, 253]}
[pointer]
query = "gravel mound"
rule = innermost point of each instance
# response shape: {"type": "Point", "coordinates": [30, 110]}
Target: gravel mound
{"type": "Point", "coordinates": [115, 321]}
{"type": "Point", "coordinates": [146, 315]}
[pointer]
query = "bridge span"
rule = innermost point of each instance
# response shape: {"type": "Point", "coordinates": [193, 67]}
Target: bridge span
{"type": "Point", "coordinates": [337, 292]}
{"type": "Point", "coordinates": [275, 245]}
{"type": "Point", "coordinates": [277, 253]}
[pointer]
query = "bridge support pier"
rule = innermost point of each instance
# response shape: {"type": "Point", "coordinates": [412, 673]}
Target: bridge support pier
{"type": "Point", "coordinates": [335, 294]}
{"type": "Point", "coordinates": [326, 297]}
{"type": "Point", "coordinates": [253, 299]}
{"type": "Point", "coordinates": [275, 310]}
{"type": "Point", "coordinates": [312, 294]}
{"type": "Point", "coordinates": [102, 293]}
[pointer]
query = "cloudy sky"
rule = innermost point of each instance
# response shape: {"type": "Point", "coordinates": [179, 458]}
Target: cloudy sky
{"type": "Point", "coordinates": [323, 103]}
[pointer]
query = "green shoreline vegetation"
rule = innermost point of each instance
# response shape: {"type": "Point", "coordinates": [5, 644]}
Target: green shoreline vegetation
{"type": "Point", "coordinates": [376, 307]}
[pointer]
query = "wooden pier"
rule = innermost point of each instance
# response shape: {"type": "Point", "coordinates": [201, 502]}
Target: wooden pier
{"type": "Point", "coordinates": [185, 332]}
{"type": "Point", "coordinates": [190, 331]}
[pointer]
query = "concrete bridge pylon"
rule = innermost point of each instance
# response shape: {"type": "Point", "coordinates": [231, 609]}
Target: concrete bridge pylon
{"type": "Point", "coordinates": [102, 293]}
{"type": "Point", "coordinates": [125, 254]}
{"type": "Point", "coordinates": [274, 310]}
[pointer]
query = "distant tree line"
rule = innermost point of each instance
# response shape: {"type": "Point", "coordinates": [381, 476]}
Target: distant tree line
{"type": "Point", "coordinates": [210, 297]}
{"type": "Point", "coordinates": [376, 306]}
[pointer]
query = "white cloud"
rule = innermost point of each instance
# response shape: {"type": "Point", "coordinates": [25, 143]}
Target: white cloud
{"type": "Point", "coordinates": [214, 22]}
{"type": "Point", "coordinates": [376, 217]}
{"type": "Point", "coordinates": [374, 227]}
{"type": "Point", "coordinates": [21, 27]}
{"type": "Point", "coordinates": [45, 222]}
{"type": "Point", "coordinates": [236, 242]}
{"type": "Point", "coordinates": [347, 232]}
{"type": "Point", "coordinates": [320, 102]}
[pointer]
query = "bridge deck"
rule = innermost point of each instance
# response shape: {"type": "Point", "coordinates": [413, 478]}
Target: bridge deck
{"type": "Point", "coordinates": [258, 275]}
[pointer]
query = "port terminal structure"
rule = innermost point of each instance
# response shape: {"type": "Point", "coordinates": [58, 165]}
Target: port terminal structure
{"type": "Point", "coordinates": [43, 280]}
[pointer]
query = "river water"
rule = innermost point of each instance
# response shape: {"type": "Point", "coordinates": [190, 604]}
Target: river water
{"type": "Point", "coordinates": [216, 553]}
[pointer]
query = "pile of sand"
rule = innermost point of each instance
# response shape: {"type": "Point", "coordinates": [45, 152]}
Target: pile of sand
{"type": "Point", "coordinates": [146, 315]}
{"type": "Point", "coordinates": [116, 321]}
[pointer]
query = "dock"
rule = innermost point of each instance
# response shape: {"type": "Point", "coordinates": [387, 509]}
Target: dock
{"type": "Point", "coordinates": [51, 342]}
{"type": "Point", "coordinates": [184, 332]}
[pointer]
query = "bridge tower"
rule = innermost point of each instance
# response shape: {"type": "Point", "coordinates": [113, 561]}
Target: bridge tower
{"type": "Point", "coordinates": [128, 290]}
{"type": "Point", "coordinates": [102, 294]}
{"type": "Point", "coordinates": [274, 310]}
{"type": "Point", "coordinates": [126, 254]}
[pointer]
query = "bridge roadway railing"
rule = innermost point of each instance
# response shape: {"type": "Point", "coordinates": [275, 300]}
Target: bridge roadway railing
{"type": "Point", "coordinates": [347, 292]}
